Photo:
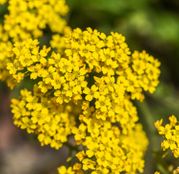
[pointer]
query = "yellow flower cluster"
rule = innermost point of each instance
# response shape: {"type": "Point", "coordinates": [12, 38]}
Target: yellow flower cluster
{"type": "Point", "coordinates": [37, 114]}
{"type": "Point", "coordinates": [29, 18]}
{"type": "Point", "coordinates": [170, 132]}
{"type": "Point", "coordinates": [24, 56]}
{"type": "Point", "coordinates": [25, 20]}
{"type": "Point", "coordinates": [5, 47]}
{"type": "Point", "coordinates": [107, 150]}
{"type": "Point", "coordinates": [84, 89]}
{"type": "Point", "coordinates": [84, 85]}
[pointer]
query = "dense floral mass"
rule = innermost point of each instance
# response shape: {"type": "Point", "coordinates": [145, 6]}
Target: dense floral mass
{"type": "Point", "coordinates": [86, 91]}
{"type": "Point", "coordinates": [84, 86]}
{"type": "Point", "coordinates": [28, 19]}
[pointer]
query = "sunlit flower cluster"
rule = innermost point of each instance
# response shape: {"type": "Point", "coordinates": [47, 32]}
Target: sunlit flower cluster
{"type": "Point", "coordinates": [96, 77]}
{"type": "Point", "coordinates": [83, 86]}
{"type": "Point", "coordinates": [170, 132]}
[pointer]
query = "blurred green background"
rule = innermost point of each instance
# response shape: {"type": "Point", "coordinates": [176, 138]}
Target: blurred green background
{"type": "Point", "coordinates": [151, 25]}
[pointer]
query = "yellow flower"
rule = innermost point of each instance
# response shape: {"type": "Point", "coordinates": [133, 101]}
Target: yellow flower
{"type": "Point", "coordinates": [170, 134]}
{"type": "Point", "coordinates": [64, 170]}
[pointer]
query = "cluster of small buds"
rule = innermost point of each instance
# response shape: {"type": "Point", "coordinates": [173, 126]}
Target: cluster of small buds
{"type": "Point", "coordinates": [170, 132]}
